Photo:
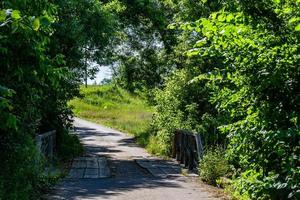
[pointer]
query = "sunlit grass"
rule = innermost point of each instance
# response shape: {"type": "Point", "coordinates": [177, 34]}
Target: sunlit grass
{"type": "Point", "coordinates": [115, 108]}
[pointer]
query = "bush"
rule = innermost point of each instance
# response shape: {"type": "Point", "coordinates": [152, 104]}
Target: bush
{"type": "Point", "coordinates": [213, 165]}
{"type": "Point", "coordinates": [20, 168]}
{"type": "Point", "coordinates": [37, 79]}
{"type": "Point", "coordinates": [20, 164]}
{"type": "Point", "coordinates": [68, 146]}
{"type": "Point", "coordinates": [21, 174]}
{"type": "Point", "coordinates": [182, 104]}
{"type": "Point", "coordinates": [159, 143]}
{"type": "Point", "coordinates": [254, 87]}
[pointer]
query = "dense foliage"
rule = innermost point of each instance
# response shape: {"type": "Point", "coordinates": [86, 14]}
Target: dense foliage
{"type": "Point", "coordinates": [42, 62]}
{"type": "Point", "coordinates": [141, 46]}
{"type": "Point", "coordinates": [183, 104]}
{"type": "Point", "coordinates": [234, 69]}
{"type": "Point", "coordinates": [213, 166]}
{"type": "Point", "coordinates": [228, 70]}
{"type": "Point", "coordinates": [255, 88]}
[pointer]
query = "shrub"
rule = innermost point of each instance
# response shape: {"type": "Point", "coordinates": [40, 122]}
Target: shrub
{"type": "Point", "coordinates": [213, 165]}
{"type": "Point", "coordinates": [20, 173]}
{"type": "Point", "coordinates": [159, 143]}
{"type": "Point", "coordinates": [42, 77]}
{"type": "Point", "coordinates": [20, 163]}
{"type": "Point", "coordinates": [68, 146]}
{"type": "Point", "coordinates": [183, 104]}
{"type": "Point", "coordinates": [254, 88]}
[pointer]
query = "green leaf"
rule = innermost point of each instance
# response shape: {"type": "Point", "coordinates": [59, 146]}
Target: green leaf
{"type": "Point", "coordinates": [297, 28]}
{"type": "Point", "coordinates": [2, 16]}
{"type": "Point", "coordinates": [213, 15]}
{"type": "Point", "coordinates": [46, 20]}
{"type": "Point", "coordinates": [193, 52]}
{"type": "Point", "coordinates": [15, 27]}
{"type": "Point", "coordinates": [11, 122]}
{"type": "Point", "coordinates": [16, 14]}
{"type": "Point", "coordinates": [201, 42]}
{"type": "Point", "coordinates": [171, 26]}
{"type": "Point", "coordinates": [287, 10]}
{"type": "Point", "coordinates": [294, 19]}
{"type": "Point", "coordinates": [229, 17]}
{"type": "Point", "coordinates": [221, 17]}
{"type": "Point", "coordinates": [186, 26]}
{"type": "Point", "coordinates": [36, 24]}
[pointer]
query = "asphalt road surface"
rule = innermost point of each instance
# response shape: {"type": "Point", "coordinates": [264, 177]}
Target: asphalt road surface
{"type": "Point", "coordinates": [122, 178]}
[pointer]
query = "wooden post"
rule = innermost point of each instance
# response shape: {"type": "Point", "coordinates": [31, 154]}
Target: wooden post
{"type": "Point", "coordinates": [46, 144]}
{"type": "Point", "coordinates": [187, 148]}
{"type": "Point", "coordinates": [174, 145]}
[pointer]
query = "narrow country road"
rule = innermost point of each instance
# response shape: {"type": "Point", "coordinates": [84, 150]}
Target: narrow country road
{"type": "Point", "coordinates": [115, 168]}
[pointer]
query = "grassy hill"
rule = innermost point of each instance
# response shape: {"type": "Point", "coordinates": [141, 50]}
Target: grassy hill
{"type": "Point", "coordinates": [116, 108]}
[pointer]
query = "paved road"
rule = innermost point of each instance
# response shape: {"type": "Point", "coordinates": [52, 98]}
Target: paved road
{"type": "Point", "coordinates": [128, 180]}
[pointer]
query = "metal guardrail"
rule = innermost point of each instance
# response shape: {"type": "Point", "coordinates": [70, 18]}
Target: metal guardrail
{"type": "Point", "coordinates": [187, 148]}
{"type": "Point", "coordinates": [46, 143]}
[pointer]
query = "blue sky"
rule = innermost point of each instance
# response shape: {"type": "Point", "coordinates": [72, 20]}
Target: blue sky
{"type": "Point", "coordinates": [104, 72]}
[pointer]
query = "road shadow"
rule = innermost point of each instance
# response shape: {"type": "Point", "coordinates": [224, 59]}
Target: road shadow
{"type": "Point", "coordinates": [87, 134]}
{"type": "Point", "coordinates": [130, 142]}
{"type": "Point", "coordinates": [83, 132]}
{"type": "Point", "coordinates": [106, 188]}
{"type": "Point", "coordinates": [127, 175]}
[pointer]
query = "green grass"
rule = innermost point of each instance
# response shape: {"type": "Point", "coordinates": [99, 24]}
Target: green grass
{"type": "Point", "coordinates": [116, 108]}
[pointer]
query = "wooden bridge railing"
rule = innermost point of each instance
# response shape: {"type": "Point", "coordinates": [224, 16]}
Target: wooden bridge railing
{"type": "Point", "coordinates": [46, 143]}
{"type": "Point", "coordinates": [187, 148]}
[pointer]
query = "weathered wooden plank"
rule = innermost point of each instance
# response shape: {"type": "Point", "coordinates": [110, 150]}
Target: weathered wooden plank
{"type": "Point", "coordinates": [199, 146]}
{"type": "Point", "coordinates": [76, 173]}
{"type": "Point", "coordinates": [187, 148]}
{"type": "Point", "coordinates": [46, 143]}
{"type": "Point", "coordinates": [91, 173]}
{"type": "Point", "coordinates": [104, 170]}
{"type": "Point", "coordinates": [79, 163]}
{"type": "Point", "coordinates": [170, 171]}
{"type": "Point", "coordinates": [92, 163]}
{"type": "Point", "coordinates": [157, 172]}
